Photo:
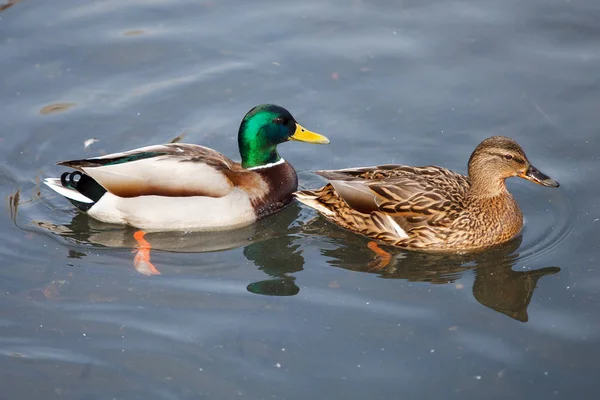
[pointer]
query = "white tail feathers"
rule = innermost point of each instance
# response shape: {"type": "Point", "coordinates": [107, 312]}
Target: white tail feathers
{"type": "Point", "coordinates": [312, 200]}
{"type": "Point", "coordinates": [56, 185]}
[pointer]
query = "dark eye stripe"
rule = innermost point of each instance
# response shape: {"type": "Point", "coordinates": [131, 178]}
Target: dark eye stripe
{"type": "Point", "coordinates": [517, 159]}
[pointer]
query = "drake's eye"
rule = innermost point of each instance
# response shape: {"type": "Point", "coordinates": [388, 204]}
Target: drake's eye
{"type": "Point", "coordinates": [508, 156]}
{"type": "Point", "coordinates": [279, 120]}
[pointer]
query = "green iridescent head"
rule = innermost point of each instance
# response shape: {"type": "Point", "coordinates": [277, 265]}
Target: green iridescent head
{"type": "Point", "coordinates": [266, 126]}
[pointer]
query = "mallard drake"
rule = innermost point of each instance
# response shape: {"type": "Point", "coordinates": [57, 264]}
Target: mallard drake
{"type": "Point", "coordinates": [190, 187]}
{"type": "Point", "coordinates": [431, 208]}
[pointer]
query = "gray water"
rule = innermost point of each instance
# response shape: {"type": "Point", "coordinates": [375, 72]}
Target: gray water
{"type": "Point", "coordinates": [291, 307]}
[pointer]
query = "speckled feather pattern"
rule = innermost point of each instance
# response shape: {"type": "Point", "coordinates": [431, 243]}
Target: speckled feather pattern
{"type": "Point", "coordinates": [431, 208]}
{"type": "Point", "coordinates": [432, 205]}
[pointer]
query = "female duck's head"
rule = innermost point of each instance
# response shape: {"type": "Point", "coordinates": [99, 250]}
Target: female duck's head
{"type": "Point", "coordinates": [266, 126]}
{"type": "Point", "coordinates": [498, 158]}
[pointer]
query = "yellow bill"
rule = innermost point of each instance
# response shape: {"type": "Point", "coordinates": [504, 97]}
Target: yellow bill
{"type": "Point", "coordinates": [304, 135]}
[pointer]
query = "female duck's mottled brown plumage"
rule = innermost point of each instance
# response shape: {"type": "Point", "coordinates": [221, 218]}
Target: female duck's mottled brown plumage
{"type": "Point", "coordinates": [431, 208]}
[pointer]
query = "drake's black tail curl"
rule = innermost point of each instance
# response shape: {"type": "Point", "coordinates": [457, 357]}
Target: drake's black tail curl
{"type": "Point", "coordinates": [84, 185]}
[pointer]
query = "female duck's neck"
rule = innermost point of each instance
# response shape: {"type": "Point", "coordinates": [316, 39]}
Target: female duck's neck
{"type": "Point", "coordinates": [487, 189]}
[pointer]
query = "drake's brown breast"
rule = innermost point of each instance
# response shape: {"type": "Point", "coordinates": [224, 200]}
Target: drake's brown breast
{"type": "Point", "coordinates": [281, 181]}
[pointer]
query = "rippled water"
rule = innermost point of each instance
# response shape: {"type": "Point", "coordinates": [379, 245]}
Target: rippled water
{"type": "Point", "coordinates": [294, 307]}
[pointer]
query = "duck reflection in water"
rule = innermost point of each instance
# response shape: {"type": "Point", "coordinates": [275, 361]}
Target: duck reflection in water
{"type": "Point", "coordinates": [258, 240]}
{"type": "Point", "coordinates": [274, 245]}
{"type": "Point", "coordinates": [496, 286]}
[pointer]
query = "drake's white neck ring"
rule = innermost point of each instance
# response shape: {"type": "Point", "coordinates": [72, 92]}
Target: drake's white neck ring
{"type": "Point", "coordinates": [269, 165]}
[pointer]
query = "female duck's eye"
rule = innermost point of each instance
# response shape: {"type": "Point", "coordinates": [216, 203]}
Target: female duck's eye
{"type": "Point", "coordinates": [279, 120]}
{"type": "Point", "coordinates": [508, 156]}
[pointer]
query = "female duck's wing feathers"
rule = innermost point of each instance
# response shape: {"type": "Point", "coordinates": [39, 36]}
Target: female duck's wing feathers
{"type": "Point", "coordinates": [175, 170]}
{"type": "Point", "coordinates": [414, 196]}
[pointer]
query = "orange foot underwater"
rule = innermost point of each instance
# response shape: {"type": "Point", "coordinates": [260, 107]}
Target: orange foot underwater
{"type": "Point", "coordinates": [141, 262]}
{"type": "Point", "coordinates": [382, 257]}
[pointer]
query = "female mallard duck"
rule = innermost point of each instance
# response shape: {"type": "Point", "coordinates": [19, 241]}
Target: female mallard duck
{"type": "Point", "coordinates": [431, 208]}
{"type": "Point", "coordinates": [189, 187]}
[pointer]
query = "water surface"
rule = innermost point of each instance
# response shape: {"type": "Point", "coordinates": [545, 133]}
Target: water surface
{"type": "Point", "coordinates": [293, 307]}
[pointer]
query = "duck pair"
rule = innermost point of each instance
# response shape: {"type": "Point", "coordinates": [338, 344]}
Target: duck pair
{"type": "Point", "coordinates": [190, 187]}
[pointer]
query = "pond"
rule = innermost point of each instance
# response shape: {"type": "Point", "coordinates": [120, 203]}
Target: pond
{"type": "Point", "coordinates": [293, 307]}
